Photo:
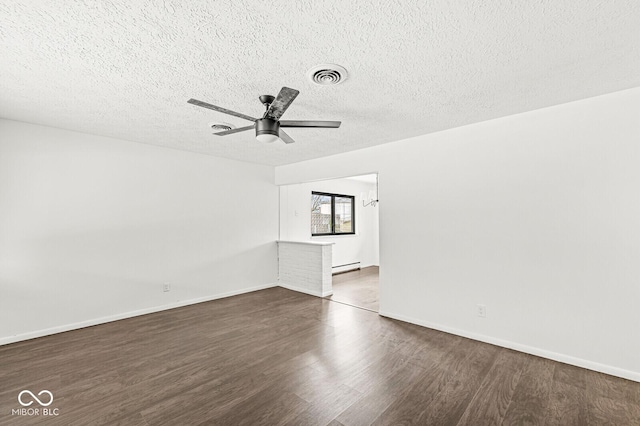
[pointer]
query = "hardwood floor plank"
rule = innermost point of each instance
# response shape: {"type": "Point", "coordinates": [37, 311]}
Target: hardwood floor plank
{"type": "Point", "coordinates": [608, 396]}
{"type": "Point", "coordinates": [530, 400]}
{"type": "Point", "coordinates": [607, 411]}
{"type": "Point", "coordinates": [326, 406]}
{"type": "Point", "coordinates": [440, 383]}
{"type": "Point", "coordinates": [411, 404]}
{"type": "Point", "coordinates": [567, 405]}
{"type": "Point", "coordinates": [267, 407]}
{"type": "Point", "coordinates": [603, 385]}
{"type": "Point", "coordinates": [433, 347]}
{"type": "Point", "coordinates": [383, 389]}
{"type": "Point", "coordinates": [449, 404]}
{"type": "Point", "coordinates": [382, 370]}
{"type": "Point", "coordinates": [570, 375]}
{"type": "Point", "coordinates": [490, 403]}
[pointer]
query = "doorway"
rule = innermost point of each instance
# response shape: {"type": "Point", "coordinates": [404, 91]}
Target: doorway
{"type": "Point", "coordinates": [355, 243]}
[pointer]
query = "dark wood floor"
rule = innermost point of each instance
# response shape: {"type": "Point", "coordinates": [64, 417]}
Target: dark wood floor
{"type": "Point", "coordinates": [280, 357]}
{"type": "Point", "coordinates": [358, 288]}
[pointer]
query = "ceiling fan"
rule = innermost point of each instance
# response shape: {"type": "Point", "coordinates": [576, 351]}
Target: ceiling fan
{"type": "Point", "coordinates": [268, 128]}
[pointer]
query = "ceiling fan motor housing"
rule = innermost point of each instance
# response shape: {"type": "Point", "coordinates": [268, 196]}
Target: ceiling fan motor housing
{"type": "Point", "coordinates": [266, 126]}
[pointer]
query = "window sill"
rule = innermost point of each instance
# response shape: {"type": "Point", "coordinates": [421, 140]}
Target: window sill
{"type": "Point", "coordinates": [313, 237]}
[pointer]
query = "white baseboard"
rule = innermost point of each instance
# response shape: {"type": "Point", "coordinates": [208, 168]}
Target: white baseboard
{"type": "Point", "coordinates": [566, 359]}
{"type": "Point", "coordinates": [116, 317]}
{"type": "Point", "coordinates": [304, 290]}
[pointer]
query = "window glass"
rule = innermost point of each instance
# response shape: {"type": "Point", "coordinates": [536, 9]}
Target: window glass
{"type": "Point", "coordinates": [343, 208]}
{"type": "Point", "coordinates": [332, 214]}
{"type": "Point", "coordinates": [320, 214]}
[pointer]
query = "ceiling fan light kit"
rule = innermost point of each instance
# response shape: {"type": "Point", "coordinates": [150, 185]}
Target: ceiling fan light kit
{"type": "Point", "coordinates": [268, 127]}
{"type": "Point", "coordinates": [267, 130]}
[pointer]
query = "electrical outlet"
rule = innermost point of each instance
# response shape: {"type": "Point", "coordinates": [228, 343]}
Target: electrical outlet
{"type": "Point", "coordinates": [166, 287]}
{"type": "Point", "coordinates": [482, 311]}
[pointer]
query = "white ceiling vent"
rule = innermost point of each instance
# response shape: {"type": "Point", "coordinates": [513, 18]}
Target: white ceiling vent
{"type": "Point", "coordinates": [221, 127]}
{"type": "Point", "coordinates": [327, 74]}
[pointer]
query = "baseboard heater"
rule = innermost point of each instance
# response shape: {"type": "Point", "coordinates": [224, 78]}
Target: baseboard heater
{"type": "Point", "coordinates": [348, 267]}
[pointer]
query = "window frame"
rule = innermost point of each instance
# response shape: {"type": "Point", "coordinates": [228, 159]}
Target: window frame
{"type": "Point", "coordinates": [333, 213]}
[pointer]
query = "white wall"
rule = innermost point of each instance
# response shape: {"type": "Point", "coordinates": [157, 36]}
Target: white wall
{"type": "Point", "coordinates": [90, 228]}
{"type": "Point", "coordinates": [295, 220]}
{"type": "Point", "coordinates": [535, 215]}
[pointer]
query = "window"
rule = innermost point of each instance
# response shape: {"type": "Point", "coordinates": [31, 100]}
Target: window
{"type": "Point", "coordinates": [332, 214]}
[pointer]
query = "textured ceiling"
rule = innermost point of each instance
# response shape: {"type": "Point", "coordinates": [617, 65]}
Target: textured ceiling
{"type": "Point", "coordinates": [127, 68]}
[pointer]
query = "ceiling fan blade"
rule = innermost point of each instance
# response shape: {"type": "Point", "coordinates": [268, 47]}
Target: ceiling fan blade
{"type": "Point", "coordinates": [232, 131]}
{"type": "Point", "coordinates": [310, 123]}
{"type": "Point", "coordinates": [285, 137]}
{"type": "Point", "coordinates": [281, 103]}
{"type": "Point", "coordinates": [220, 109]}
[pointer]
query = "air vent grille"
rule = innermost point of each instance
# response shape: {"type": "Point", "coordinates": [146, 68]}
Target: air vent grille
{"type": "Point", "coordinates": [326, 77]}
{"type": "Point", "coordinates": [327, 74]}
{"type": "Point", "coordinates": [220, 127]}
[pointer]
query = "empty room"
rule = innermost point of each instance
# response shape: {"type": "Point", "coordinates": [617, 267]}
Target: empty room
{"type": "Point", "coordinates": [319, 213]}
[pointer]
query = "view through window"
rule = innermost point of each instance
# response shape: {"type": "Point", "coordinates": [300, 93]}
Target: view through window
{"type": "Point", "coordinates": [332, 214]}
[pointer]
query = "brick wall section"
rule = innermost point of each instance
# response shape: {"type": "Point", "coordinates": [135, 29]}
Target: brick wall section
{"type": "Point", "coordinates": [305, 267]}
